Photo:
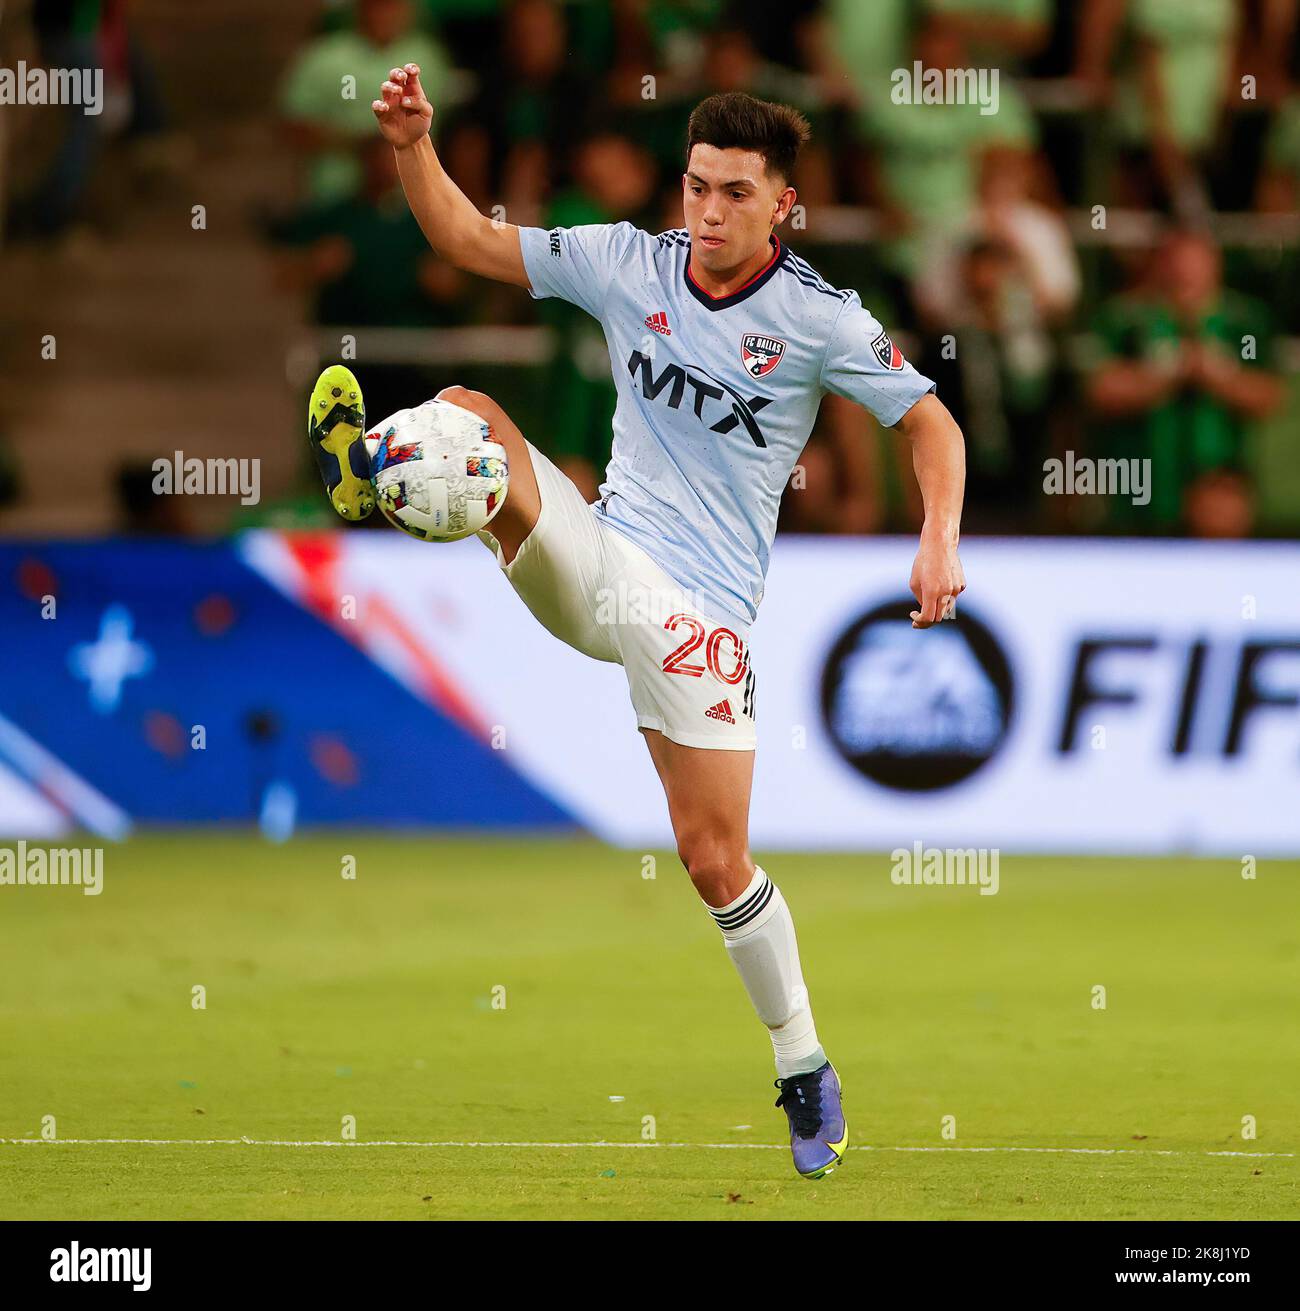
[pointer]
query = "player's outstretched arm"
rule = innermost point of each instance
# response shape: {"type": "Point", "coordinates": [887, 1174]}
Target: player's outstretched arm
{"type": "Point", "coordinates": [939, 458]}
{"type": "Point", "coordinates": [455, 229]}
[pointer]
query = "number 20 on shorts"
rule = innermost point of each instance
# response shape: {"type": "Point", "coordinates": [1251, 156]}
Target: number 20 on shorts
{"type": "Point", "coordinates": [677, 661]}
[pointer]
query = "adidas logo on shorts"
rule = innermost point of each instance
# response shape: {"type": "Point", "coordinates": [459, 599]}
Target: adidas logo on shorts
{"type": "Point", "coordinates": [721, 711]}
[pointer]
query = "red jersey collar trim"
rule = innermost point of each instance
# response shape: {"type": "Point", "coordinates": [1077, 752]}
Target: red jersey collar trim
{"type": "Point", "coordinates": [741, 292]}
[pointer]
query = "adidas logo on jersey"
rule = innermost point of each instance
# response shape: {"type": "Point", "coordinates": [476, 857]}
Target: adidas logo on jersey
{"type": "Point", "coordinates": [721, 711]}
{"type": "Point", "coordinates": [658, 322]}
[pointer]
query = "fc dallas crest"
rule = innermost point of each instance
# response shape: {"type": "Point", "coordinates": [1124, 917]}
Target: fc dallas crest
{"type": "Point", "coordinates": [760, 355]}
{"type": "Point", "coordinates": [886, 352]}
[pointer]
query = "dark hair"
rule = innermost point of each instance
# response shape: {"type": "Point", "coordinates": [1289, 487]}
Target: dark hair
{"type": "Point", "coordinates": [734, 120]}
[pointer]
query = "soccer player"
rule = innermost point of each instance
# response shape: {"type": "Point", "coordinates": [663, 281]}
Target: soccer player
{"type": "Point", "coordinates": [722, 342]}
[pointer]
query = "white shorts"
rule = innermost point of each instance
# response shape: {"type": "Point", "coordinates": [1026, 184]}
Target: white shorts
{"type": "Point", "coordinates": [689, 675]}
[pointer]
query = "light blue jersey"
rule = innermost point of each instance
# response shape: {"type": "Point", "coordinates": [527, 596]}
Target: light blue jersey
{"type": "Point", "coordinates": [716, 396]}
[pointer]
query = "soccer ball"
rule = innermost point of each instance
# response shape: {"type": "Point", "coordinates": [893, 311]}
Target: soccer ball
{"type": "Point", "coordinates": [439, 472]}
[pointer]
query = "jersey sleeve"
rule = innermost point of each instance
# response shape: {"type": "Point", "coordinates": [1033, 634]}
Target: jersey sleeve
{"type": "Point", "coordinates": [575, 264]}
{"type": "Point", "coordinates": [862, 364]}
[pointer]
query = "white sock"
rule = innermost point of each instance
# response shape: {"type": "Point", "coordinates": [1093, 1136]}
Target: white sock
{"type": "Point", "coordinates": [759, 934]}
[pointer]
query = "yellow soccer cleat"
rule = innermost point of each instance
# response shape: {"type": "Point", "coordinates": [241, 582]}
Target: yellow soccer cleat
{"type": "Point", "coordinates": [336, 429]}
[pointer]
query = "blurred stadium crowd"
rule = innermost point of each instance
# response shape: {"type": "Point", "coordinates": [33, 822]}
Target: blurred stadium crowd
{"type": "Point", "coordinates": [1107, 265]}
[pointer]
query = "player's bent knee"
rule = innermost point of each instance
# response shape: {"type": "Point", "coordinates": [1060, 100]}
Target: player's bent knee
{"type": "Point", "coordinates": [480, 403]}
{"type": "Point", "coordinates": [518, 515]}
{"type": "Point", "coordinates": [486, 408]}
{"type": "Point", "coordinates": [476, 402]}
{"type": "Point", "coordinates": [720, 871]}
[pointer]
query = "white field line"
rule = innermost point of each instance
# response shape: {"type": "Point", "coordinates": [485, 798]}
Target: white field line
{"type": "Point", "coordinates": [730, 1147]}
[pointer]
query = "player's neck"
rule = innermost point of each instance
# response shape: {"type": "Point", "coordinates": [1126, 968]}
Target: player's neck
{"type": "Point", "coordinates": [721, 285]}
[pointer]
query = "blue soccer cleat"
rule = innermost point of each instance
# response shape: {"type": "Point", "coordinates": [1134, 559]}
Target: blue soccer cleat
{"type": "Point", "coordinates": [336, 429]}
{"type": "Point", "coordinates": [819, 1133]}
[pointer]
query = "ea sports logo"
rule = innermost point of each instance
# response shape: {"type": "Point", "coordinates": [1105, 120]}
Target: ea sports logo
{"type": "Point", "coordinates": [915, 710]}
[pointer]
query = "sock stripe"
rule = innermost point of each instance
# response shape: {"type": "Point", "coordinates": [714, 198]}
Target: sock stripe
{"type": "Point", "coordinates": [753, 905]}
{"type": "Point", "coordinates": [728, 912]}
{"type": "Point", "coordinates": [768, 894]}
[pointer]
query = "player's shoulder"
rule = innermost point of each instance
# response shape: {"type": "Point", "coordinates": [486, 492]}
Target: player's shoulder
{"type": "Point", "coordinates": [606, 247]}
{"type": "Point", "coordinates": [801, 271]}
{"type": "Point", "coordinates": [674, 238]}
{"type": "Point", "coordinates": [819, 303]}
{"type": "Point", "coordinates": [625, 240]}
{"type": "Point", "coordinates": [671, 247]}
{"type": "Point", "coordinates": [665, 254]}
{"type": "Point", "coordinates": [617, 237]}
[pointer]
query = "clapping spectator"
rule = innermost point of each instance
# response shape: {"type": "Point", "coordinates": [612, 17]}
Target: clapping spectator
{"type": "Point", "coordinates": [1010, 212]}
{"type": "Point", "coordinates": [1187, 368]}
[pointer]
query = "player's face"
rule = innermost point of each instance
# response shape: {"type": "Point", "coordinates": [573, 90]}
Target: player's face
{"type": "Point", "coordinates": [731, 204]}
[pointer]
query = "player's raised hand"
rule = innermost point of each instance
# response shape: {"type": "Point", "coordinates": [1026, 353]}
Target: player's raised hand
{"type": "Point", "coordinates": [403, 111]}
{"type": "Point", "coordinates": [937, 581]}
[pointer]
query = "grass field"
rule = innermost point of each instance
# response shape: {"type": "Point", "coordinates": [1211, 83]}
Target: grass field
{"type": "Point", "coordinates": [373, 998]}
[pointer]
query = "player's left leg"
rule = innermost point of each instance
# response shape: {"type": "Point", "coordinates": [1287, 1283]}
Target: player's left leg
{"type": "Point", "coordinates": [708, 803]}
